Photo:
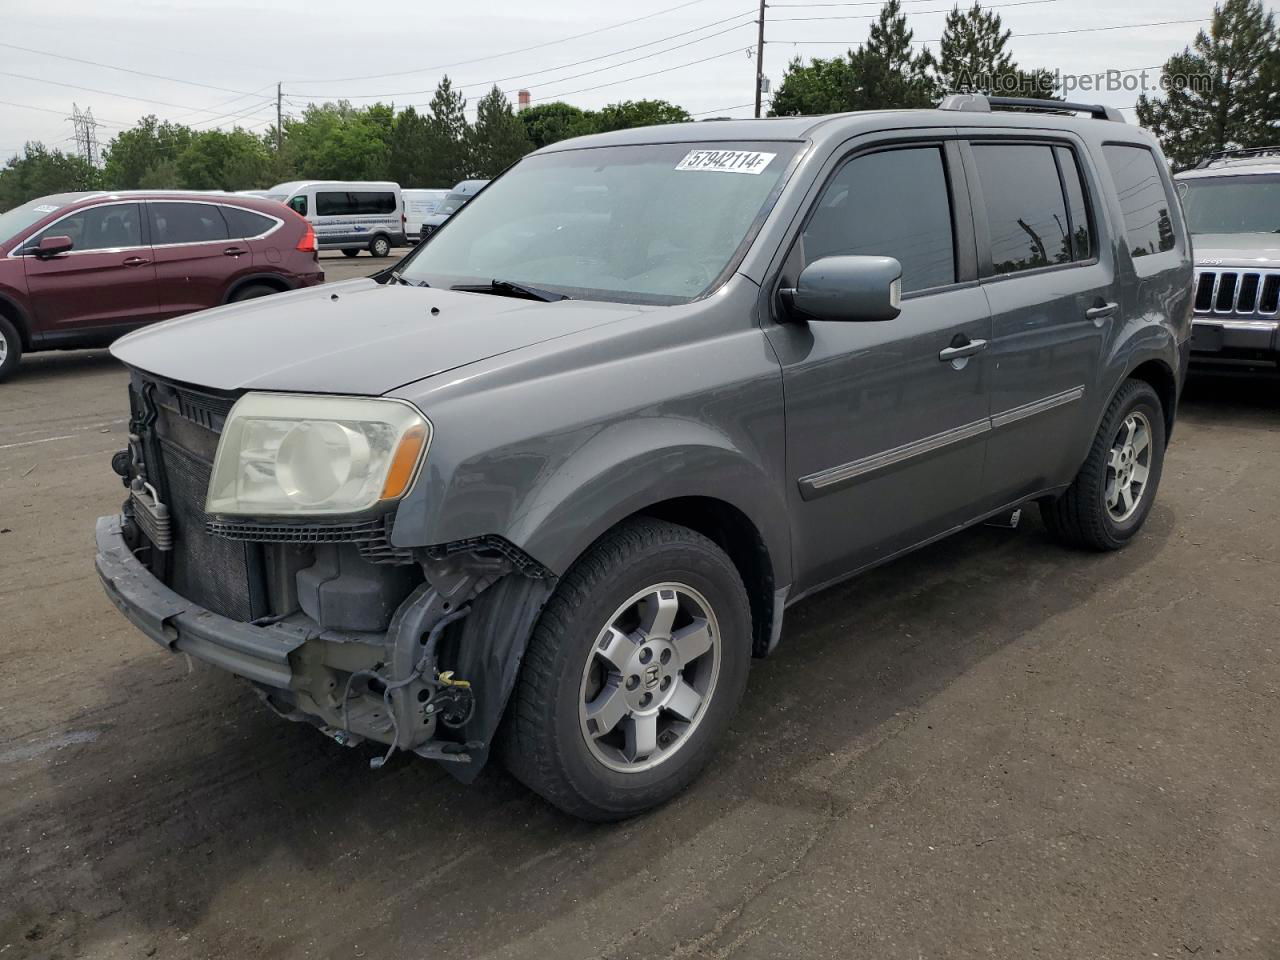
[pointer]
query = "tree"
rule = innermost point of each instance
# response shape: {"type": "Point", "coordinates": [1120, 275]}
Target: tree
{"type": "Point", "coordinates": [974, 58]}
{"type": "Point", "coordinates": [409, 163]}
{"type": "Point", "coordinates": [39, 171]}
{"type": "Point", "coordinates": [824, 86]}
{"type": "Point", "coordinates": [133, 155]}
{"type": "Point", "coordinates": [448, 134]}
{"type": "Point", "coordinates": [638, 113]}
{"type": "Point", "coordinates": [498, 139]}
{"type": "Point", "coordinates": [1223, 92]}
{"type": "Point", "coordinates": [224, 160]}
{"type": "Point", "coordinates": [890, 74]}
{"type": "Point", "coordinates": [336, 141]}
{"type": "Point", "coordinates": [552, 122]}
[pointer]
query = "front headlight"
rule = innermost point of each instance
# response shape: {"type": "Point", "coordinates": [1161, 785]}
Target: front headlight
{"type": "Point", "coordinates": [285, 454]}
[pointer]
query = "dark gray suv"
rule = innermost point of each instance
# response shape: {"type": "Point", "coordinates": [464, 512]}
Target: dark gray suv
{"type": "Point", "coordinates": [550, 484]}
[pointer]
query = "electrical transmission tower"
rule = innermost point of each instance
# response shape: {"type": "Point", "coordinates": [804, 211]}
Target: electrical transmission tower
{"type": "Point", "coordinates": [86, 135]}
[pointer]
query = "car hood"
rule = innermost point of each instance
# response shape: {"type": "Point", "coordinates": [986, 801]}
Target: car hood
{"type": "Point", "coordinates": [356, 337]}
{"type": "Point", "coordinates": [1236, 249]}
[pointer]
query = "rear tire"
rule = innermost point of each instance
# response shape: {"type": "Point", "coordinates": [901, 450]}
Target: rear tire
{"type": "Point", "coordinates": [1110, 498]}
{"type": "Point", "coordinates": [253, 291]}
{"type": "Point", "coordinates": [380, 247]}
{"type": "Point", "coordinates": [633, 673]}
{"type": "Point", "coordinates": [349, 252]}
{"type": "Point", "coordinates": [10, 348]}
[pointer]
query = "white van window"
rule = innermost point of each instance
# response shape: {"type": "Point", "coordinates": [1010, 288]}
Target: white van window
{"type": "Point", "coordinates": [354, 204]}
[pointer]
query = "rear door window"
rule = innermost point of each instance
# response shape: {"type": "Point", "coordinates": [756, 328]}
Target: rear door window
{"type": "Point", "coordinates": [1026, 212]}
{"type": "Point", "coordinates": [242, 224]}
{"type": "Point", "coordinates": [890, 204]}
{"type": "Point", "coordinates": [334, 203]}
{"type": "Point", "coordinates": [1081, 221]}
{"type": "Point", "coordinates": [107, 227]}
{"type": "Point", "coordinates": [1143, 199]}
{"type": "Point", "coordinates": [173, 223]}
{"type": "Point", "coordinates": [374, 204]}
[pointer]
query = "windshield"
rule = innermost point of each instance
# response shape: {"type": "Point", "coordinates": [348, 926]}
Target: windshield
{"type": "Point", "coordinates": [652, 223]}
{"type": "Point", "coordinates": [454, 202]}
{"type": "Point", "coordinates": [1237, 204]}
{"type": "Point", "coordinates": [18, 219]}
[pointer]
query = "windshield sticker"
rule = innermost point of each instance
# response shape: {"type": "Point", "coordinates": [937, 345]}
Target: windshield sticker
{"type": "Point", "coordinates": [726, 161]}
{"type": "Point", "coordinates": [45, 208]}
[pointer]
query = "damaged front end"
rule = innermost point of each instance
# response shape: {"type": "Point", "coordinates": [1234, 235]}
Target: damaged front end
{"type": "Point", "coordinates": [415, 648]}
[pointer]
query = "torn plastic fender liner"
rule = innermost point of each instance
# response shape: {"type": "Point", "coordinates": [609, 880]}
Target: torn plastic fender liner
{"type": "Point", "coordinates": [489, 652]}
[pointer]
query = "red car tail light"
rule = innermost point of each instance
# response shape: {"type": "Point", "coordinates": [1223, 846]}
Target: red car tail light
{"type": "Point", "coordinates": [308, 242]}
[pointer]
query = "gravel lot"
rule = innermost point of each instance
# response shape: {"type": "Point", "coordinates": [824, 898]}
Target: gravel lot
{"type": "Point", "coordinates": [994, 747]}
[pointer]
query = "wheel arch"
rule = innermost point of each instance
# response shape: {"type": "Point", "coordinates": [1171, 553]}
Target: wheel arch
{"type": "Point", "coordinates": [1162, 379]}
{"type": "Point", "coordinates": [274, 280]}
{"type": "Point", "coordinates": [10, 310]}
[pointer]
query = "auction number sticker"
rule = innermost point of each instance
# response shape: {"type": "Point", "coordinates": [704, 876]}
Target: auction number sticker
{"type": "Point", "coordinates": [726, 161]}
{"type": "Point", "coordinates": [45, 208]}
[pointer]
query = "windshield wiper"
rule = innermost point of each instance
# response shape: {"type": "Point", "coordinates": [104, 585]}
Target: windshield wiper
{"type": "Point", "coordinates": [509, 288]}
{"type": "Point", "coordinates": [398, 277]}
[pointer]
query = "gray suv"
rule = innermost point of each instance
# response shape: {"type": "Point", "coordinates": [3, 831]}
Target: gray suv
{"type": "Point", "coordinates": [1232, 205]}
{"type": "Point", "coordinates": [548, 486]}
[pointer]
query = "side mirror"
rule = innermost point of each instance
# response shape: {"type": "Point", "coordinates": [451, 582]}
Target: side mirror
{"type": "Point", "coordinates": [847, 289]}
{"type": "Point", "coordinates": [52, 246]}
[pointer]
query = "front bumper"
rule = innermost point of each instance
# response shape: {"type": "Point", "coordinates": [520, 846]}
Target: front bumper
{"type": "Point", "coordinates": [260, 654]}
{"type": "Point", "coordinates": [1222, 337]}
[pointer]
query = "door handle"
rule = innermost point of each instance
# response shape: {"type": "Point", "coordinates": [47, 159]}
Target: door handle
{"type": "Point", "coordinates": [1101, 312]}
{"type": "Point", "coordinates": [234, 252]}
{"type": "Point", "coordinates": [135, 261]}
{"type": "Point", "coordinates": [960, 351]}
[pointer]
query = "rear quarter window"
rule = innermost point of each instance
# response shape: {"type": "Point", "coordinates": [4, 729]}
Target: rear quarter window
{"type": "Point", "coordinates": [244, 223]}
{"type": "Point", "coordinates": [1143, 198]}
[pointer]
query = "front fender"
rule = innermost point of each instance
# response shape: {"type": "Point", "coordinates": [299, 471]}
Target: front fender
{"type": "Point", "coordinates": [631, 465]}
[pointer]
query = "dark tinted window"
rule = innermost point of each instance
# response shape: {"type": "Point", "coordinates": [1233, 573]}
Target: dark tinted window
{"type": "Point", "coordinates": [244, 223]}
{"type": "Point", "coordinates": [1077, 207]}
{"type": "Point", "coordinates": [186, 223]}
{"type": "Point", "coordinates": [891, 204]}
{"type": "Point", "coordinates": [299, 204]}
{"type": "Point", "coordinates": [361, 203]}
{"type": "Point", "coordinates": [1143, 200]}
{"type": "Point", "coordinates": [99, 228]}
{"type": "Point", "coordinates": [1026, 213]}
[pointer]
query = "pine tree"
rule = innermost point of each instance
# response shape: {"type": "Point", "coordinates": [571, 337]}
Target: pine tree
{"type": "Point", "coordinates": [888, 73]}
{"type": "Point", "coordinates": [409, 162]}
{"type": "Point", "coordinates": [1224, 87]}
{"type": "Point", "coordinates": [974, 58]}
{"type": "Point", "coordinates": [448, 135]}
{"type": "Point", "coordinates": [498, 138]}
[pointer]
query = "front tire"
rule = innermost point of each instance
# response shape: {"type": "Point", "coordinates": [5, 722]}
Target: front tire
{"type": "Point", "coordinates": [1110, 498]}
{"type": "Point", "coordinates": [633, 673]}
{"type": "Point", "coordinates": [10, 348]}
{"type": "Point", "coordinates": [380, 247]}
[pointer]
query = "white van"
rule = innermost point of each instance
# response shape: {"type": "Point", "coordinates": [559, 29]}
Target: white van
{"type": "Point", "coordinates": [418, 205]}
{"type": "Point", "coordinates": [348, 215]}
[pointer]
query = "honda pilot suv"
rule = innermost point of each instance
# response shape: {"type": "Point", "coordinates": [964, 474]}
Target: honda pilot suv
{"type": "Point", "coordinates": [546, 487]}
{"type": "Point", "coordinates": [1232, 206]}
{"type": "Point", "coordinates": [80, 269]}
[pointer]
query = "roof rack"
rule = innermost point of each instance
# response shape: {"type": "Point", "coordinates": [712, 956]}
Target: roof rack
{"type": "Point", "coordinates": [981, 103]}
{"type": "Point", "coordinates": [1242, 153]}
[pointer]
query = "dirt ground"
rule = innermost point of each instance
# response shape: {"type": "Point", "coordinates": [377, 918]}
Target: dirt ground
{"type": "Point", "coordinates": [993, 748]}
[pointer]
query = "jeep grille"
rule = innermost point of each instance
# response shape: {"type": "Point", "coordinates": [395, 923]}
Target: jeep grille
{"type": "Point", "coordinates": [1238, 293]}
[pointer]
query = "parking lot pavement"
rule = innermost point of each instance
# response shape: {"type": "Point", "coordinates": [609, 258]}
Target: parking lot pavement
{"type": "Point", "coordinates": [995, 747]}
{"type": "Point", "coordinates": [338, 266]}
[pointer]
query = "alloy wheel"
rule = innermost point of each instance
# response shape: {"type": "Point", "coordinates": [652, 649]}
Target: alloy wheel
{"type": "Point", "coordinates": [4, 348]}
{"type": "Point", "coordinates": [649, 677]}
{"type": "Point", "coordinates": [1128, 466]}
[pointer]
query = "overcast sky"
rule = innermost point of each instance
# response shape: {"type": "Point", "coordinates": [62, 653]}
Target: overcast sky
{"type": "Point", "coordinates": [238, 52]}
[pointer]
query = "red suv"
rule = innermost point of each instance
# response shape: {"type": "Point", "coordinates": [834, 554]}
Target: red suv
{"type": "Point", "coordinates": [80, 269]}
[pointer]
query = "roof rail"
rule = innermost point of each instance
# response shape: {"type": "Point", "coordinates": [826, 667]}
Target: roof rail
{"type": "Point", "coordinates": [981, 103]}
{"type": "Point", "coordinates": [1241, 153]}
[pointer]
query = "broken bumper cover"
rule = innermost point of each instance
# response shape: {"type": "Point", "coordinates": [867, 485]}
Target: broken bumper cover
{"type": "Point", "coordinates": [260, 654]}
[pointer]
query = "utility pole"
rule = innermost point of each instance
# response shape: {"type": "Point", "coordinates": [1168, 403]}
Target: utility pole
{"type": "Point", "coordinates": [279, 117]}
{"type": "Point", "coordinates": [759, 57]}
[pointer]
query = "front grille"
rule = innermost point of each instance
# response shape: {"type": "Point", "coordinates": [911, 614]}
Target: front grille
{"type": "Point", "coordinates": [1238, 293]}
{"type": "Point", "coordinates": [181, 432]}
{"type": "Point", "coordinates": [371, 537]}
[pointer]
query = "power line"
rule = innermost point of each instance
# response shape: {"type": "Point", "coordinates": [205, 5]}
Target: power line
{"type": "Point", "coordinates": [642, 76]}
{"type": "Point", "coordinates": [61, 113]}
{"type": "Point", "coordinates": [506, 53]}
{"type": "Point", "coordinates": [575, 63]}
{"type": "Point", "coordinates": [110, 66]}
{"type": "Point", "coordinates": [873, 16]}
{"type": "Point", "coordinates": [1043, 33]}
{"type": "Point", "coordinates": [107, 93]}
